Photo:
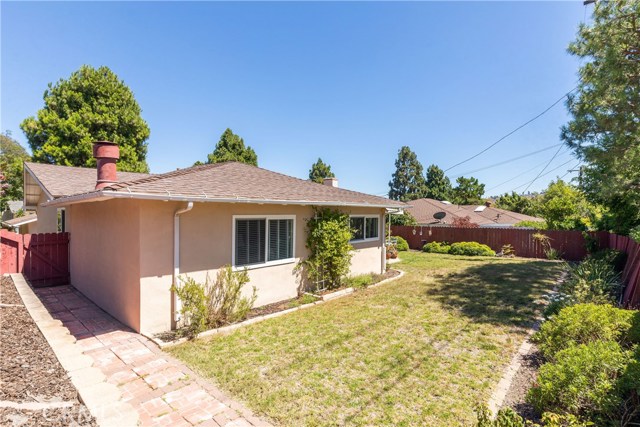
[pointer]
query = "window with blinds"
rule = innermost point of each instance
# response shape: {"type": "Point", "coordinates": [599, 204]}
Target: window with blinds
{"type": "Point", "coordinates": [263, 240]}
{"type": "Point", "coordinates": [364, 228]}
{"type": "Point", "coordinates": [280, 239]}
{"type": "Point", "coordinates": [250, 241]}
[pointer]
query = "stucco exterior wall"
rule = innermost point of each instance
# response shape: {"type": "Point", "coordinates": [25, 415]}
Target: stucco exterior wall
{"type": "Point", "coordinates": [105, 256]}
{"type": "Point", "coordinates": [206, 245]}
{"type": "Point", "coordinates": [122, 254]}
{"type": "Point", "coordinates": [47, 218]}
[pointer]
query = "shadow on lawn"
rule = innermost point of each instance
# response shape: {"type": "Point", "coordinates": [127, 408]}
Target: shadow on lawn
{"type": "Point", "coordinates": [497, 293]}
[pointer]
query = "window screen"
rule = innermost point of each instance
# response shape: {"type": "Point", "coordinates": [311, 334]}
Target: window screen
{"type": "Point", "coordinates": [357, 227]}
{"type": "Point", "coordinates": [371, 228]}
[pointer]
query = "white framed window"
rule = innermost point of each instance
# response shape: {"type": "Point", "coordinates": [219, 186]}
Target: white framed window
{"type": "Point", "coordinates": [263, 240]}
{"type": "Point", "coordinates": [365, 227]}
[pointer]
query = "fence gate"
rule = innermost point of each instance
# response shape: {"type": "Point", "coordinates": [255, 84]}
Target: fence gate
{"type": "Point", "coordinates": [42, 258]}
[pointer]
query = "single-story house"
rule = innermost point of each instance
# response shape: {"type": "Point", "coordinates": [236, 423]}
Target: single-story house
{"type": "Point", "coordinates": [131, 235]}
{"type": "Point", "coordinates": [423, 210]}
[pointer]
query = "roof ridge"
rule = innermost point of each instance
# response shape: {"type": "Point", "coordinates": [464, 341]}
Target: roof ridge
{"type": "Point", "coordinates": [81, 167]}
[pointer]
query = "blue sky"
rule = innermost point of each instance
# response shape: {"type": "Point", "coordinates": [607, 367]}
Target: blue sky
{"type": "Point", "coordinates": [348, 82]}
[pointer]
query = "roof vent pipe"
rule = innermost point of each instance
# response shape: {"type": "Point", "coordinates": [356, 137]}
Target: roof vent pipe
{"type": "Point", "coordinates": [106, 154]}
{"type": "Point", "coordinates": [331, 182]}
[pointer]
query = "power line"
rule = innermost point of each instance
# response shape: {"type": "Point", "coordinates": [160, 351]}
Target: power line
{"type": "Point", "coordinates": [517, 176]}
{"type": "Point", "coordinates": [513, 131]}
{"type": "Point", "coordinates": [548, 172]}
{"type": "Point", "coordinates": [510, 160]}
{"type": "Point", "coordinates": [543, 169]}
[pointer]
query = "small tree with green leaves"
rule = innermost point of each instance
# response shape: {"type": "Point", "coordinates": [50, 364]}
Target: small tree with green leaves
{"type": "Point", "coordinates": [328, 236]}
{"type": "Point", "coordinates": [12, 156]}
{"type": "Point", "coordinates": [319, 171]}
{"type": "Point", "coordinates": [468, 192]}
{"type": "Point", "coordinates": [231, 148]}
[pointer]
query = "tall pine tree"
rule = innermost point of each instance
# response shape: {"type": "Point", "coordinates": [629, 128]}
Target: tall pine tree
{"type": "Point", "coordinates": [231, 148]}
{"type": "Point", "coordinates": [319, 171]}
{"type": "Point", "coordinates": [438, 184]}
{"type": "Point", "coordinates": [407, 182]}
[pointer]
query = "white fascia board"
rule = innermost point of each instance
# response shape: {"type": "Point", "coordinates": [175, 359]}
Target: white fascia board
{"type": "Point", "coordinates": [107, 194]}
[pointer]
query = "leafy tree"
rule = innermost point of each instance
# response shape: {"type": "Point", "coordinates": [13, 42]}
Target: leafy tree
{"type": "Point", "coordinates": [514, 202]}
{"type": "Point", "coordinates": [468, 192]}
{"type": "Point", "coordinates": [407, 182]}
{"type": "Point", "coordinates": [319, 171]}
{"type": "Point", "coordinates": [91, 105]}
{"type": "Point", "coordinates": [438, 184]}
{"type": "Point", "coordinates": [565, 207]}
{"type": "Point", "coordinates": [12, 155]}
{"type": "Point", "coordinates": [231, 148]}
{"type": "Point", "coordinates": [605, 129]}
{"type": "Point", "coordinates": [405, 219]}
{"type": "Point", "coordinates": [464, 222]}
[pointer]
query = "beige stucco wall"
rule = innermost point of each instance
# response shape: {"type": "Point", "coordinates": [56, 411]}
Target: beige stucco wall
{"type": "Point", "coordinates": [105, 256]}
{"type": "Point", "coordinates": [47, 218]}
{"type": "Point", "coordinates": [122, 254]}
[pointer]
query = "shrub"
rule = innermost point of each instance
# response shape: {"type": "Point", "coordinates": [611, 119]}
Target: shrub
{"type": "Point", "coordinates": [225, 303]}
{"type": "Point", "coordinates": [616, 259]}
{"type": "Point", "coordinates": [401, 244]}
{"type": "Point", "coordinates": [505, 417]}
{"type": "Point", "coordinates": [508, 251]}
{"type": "Point", "coordinates": [471, 249]}
{"type": "Point", "coordinates": [437, 248]}
{"type": "Point", "coordinates": [582, 381]}
{"type": "Point", "coordinates": [328, 236]}
{"type": "Point", "coordinates": [193, 309]}
{"type": "Point", "coordinates": [537, 225]}
{"type": "Point", "coordinates": [634, 233]}
{"type": "Point", "coordinates": [550, 419]}
{"type": "Point", "coordinates": [583, 324]}
{"type": "Point", "coordinates": [593, 280]}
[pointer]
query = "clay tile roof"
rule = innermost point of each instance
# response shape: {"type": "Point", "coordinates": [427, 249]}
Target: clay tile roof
{"type": "Point", "coordinates": [62, 181]}
{"type": "Point", "coordinates": [233, 180]}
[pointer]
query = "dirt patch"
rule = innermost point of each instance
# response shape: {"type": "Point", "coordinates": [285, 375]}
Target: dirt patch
{"type": "Point", "coordinates": [522, 382]}
{"type": "Point", "coordinates": [29, 370]}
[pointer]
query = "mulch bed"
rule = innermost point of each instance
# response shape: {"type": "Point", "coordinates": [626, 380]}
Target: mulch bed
{"type": "Point", "coordinates": [522, 382]}
{"type": "Point", "coordinates": [30, 371]}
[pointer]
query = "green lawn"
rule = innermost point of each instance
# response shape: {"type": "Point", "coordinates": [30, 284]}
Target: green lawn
{"type": "Point", "coordinates": [421, 350]}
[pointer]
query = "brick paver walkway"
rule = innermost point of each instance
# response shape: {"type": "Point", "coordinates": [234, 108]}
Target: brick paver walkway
{"type": "Point", "coordinates": [161, 389]}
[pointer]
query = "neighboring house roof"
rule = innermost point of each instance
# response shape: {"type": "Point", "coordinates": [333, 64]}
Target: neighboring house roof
{"type": "Point", "coordinates": [222, 182]}
{"type": "Point", "coordinates": [424, 209]}
{"type": "Point", "coordinates": [21, 220]}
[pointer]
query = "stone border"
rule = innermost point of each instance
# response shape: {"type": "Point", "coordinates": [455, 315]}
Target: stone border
{"type": "Point", "coordinates": [500, 393]}
{"type": "Point", "coordinates": [101, 398]}
{"type": "Point", "coordinates": [227, 329]}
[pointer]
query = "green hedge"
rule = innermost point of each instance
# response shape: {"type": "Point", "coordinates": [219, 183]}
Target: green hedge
{"type": "Point", "coordinates": [471, 249]}
{"type": "Point", "coordinates": [437, 247]}
{"type": "Point", "coordinates": [401, 244]}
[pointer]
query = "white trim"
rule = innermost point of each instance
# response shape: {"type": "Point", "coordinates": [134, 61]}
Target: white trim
{"type": "Point", "coordinates": [28, 220]}
{"type": "Point", "coordinates": [33, 175]}
{"type": "Point", "coordinates": [366, 239]}
{"type": "Point", "coordinates": [266, 242]}
{"type": "Point", "coordinates": [109, 194]}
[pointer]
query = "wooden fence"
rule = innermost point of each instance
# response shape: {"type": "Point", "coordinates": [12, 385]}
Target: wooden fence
{"type": "Point", "coordinates": [42, 258]}
{"type": "Point", "coordinates": [570, 244]}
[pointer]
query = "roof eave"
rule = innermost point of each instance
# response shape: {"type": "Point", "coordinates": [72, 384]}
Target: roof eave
{"type": "Point", "coordinates": [107, 194]}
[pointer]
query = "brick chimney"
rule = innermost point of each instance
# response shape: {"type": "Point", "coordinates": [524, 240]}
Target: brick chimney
{"type": "Point", "coordinates": [106, 154]}
{"type": "Point", "coordinates": [331, 182]}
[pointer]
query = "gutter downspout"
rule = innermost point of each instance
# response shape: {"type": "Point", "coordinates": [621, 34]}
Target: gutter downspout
{"type": "Point", "coordinates": [176, 260]}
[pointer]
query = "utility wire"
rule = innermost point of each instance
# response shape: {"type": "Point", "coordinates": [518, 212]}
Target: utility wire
{"type": "Point", "coordinates": [548, 172]}
{"type": "Point", "coordinates": [543, 169]}
{"type": "Point", "coordinates": [517, 176]}
{"type": "Point", "coordinates": [509, 161]}
{"type": "Point", "coordinates": [513, 131]}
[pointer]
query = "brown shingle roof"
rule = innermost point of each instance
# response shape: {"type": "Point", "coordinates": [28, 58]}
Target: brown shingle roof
{"type": "Point", "coordinates": [423, 210]}
{"type": "Point", "coordinates": [62, 181]}
{"type": "Point", "coordinates": [25, 219]}
{"type": "Point", "coordinates": [238, 181]}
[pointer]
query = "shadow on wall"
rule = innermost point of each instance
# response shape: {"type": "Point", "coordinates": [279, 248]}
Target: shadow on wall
{"type": "Point", "coordinates": [497, 293]}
